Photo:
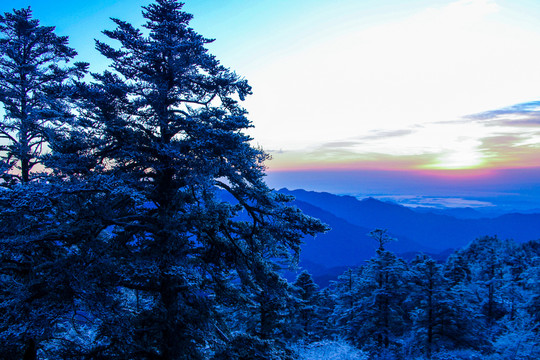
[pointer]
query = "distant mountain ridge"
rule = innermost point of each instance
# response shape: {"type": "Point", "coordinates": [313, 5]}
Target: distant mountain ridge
{"type": "Point", "coordinates": [417, 231]}
{"type": "Point", "coordinates": [346, 244]}
{"type": "Point", "coordinates": [458, 213]}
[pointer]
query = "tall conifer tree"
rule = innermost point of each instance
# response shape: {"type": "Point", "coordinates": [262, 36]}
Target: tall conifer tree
{"type": "Point", "coordinates": [166, 125]}
{"type": "Point", "coordinates": [35, 91]}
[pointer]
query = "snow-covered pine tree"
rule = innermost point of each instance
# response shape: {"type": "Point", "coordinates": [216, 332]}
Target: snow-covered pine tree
{"type": "Point", "coordinates": [461, 322]}
{"type": "Point", "coordinates": [307, 306]}
{"type": "Point", "coordinates": [34, 79]}
{"type": "Point", "coordinates": [324, 326]}
{"type": "Point", "coordinates": [35, 89]}
{"type": "Point", "coordinates": [54, 251]}
{"type": "Point", "coordinates": [345, 292]}
{"type": "Point", "coordinates": [486, 257]}
{"type": "Point", "coordinates": [520, 294]}
{"type": "Point", "coordinates": [532, 282]}
{"type": "Point", "coordinates": [381, 319]}
{"type": "Point", "coordinates": [370, 299]}
{"type": "Point", "coordinates": [166, 124]}
{"type": "Point", "coordinates": [429, 301]}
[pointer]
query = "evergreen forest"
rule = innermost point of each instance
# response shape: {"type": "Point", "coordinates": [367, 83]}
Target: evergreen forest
{"type": "Point", "coordinates": [136, 224]}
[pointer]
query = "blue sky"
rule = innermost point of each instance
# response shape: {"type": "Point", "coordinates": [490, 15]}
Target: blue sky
{"type": "Point", "coordinates": [347, 85]}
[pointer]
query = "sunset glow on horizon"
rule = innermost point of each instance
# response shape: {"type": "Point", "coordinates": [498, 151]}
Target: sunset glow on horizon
{"type": "Point", "coordinates": [445, 88]}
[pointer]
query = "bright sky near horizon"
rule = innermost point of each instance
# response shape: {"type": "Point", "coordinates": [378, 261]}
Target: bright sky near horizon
{"type": "Point", "coordinates": [363, 84]}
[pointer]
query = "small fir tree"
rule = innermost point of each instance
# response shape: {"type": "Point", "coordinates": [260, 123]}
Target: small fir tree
{"type": "Point", "coordinates": [307, 305]}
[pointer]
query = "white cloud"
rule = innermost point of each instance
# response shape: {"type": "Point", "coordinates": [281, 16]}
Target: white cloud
{"type": "Point", "coordinates": [439, 64]}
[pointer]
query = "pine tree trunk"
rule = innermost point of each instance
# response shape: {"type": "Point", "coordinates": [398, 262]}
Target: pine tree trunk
{"type": "Point", "coordinates": [171, 342]}
{"type": "Point", "coordinates": [430, 319]}
{"type": "Point", "coordinates": [25, 170]}
{"type": "Point", "coordinates": [386, 324]}
{"type": "Point", "coordinates": [31, 352]}
{"type": "Point", "coordinates": [24, 147]}
{"type": "Point", "coordinates": [267, 315]}
{"type": "Point", "coordinates": [491, 290]}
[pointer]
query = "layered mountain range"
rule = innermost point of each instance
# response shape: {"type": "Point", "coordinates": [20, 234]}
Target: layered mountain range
{"type": "Point", "coordinates": [435, 233]}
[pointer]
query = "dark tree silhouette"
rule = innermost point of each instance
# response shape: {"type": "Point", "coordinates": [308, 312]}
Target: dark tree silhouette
{"type": "Point", "coordinates": [203, 233]}
{"type": "Point", "coordinates": [33, 89]}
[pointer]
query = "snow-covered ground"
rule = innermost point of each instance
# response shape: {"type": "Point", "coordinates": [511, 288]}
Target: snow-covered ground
{"type": "Point", "coordinates": [329, 350]}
